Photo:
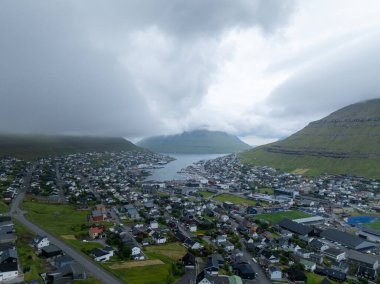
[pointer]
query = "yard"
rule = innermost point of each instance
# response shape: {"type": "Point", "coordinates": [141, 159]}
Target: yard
{"type": "Point", "coordinates": [28, 259]}
{"type": "Point", "coordinates": [276, 217]}
{"type": "Point", "coordinates": [3, 207]}
{"type": "Point", "coordinates": [206, 194]}
{"type": "Point", "coordinates": [264, 190]}
{"type": "Point", "coordinates": [155, 270]}
{"type": "Point", "coordinates": [375, 225]}
{"type": "Point", "coordinates": [313, 278]}
{"type": "Point", "coordinates": [173, 250]}
{"type": "Point", "coordinates": [63, 221]}
{"type": "Point", "coordinates": [235, 199]}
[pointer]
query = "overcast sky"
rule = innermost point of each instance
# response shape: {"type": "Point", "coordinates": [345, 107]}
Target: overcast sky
{"type": "Point", "coordinates": [258, 69]}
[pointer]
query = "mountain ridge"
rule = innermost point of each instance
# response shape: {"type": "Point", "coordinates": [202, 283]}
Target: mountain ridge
{"type": "Point", "coordinates": [346, 141]}
{"type": "Point", "coordinates": [195, 142]}
{"type": "Point", "coordinates": [32, 146]}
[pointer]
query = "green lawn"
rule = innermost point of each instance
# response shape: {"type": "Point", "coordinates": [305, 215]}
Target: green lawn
{"type": "Point", "coordinates": [173, 250]}
{"type": "Point", "coordinates": [236, 199]}
{"type": "Point", "coordinates": [3, 207]}
{"type": "Point", "coordinates": [269, 191]}
{"type": "Point", "coordinates": [26, 254]}
{"type": "Point", "coordinates": [274, 218]}
{"type": "Point", "coordinates": [375, 225]}
{"type": "Point", "coordinates": [151, 274]}
{"type": "Point", "coordinates": [58, 219]}
{"type": "Point", "coordinates": [313, 278]}
{"type": "Point", "coordinates": [206, 194]}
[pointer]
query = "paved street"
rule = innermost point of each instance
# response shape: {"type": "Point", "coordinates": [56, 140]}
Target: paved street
{"type": "Point", "coordinates": [95, 270]}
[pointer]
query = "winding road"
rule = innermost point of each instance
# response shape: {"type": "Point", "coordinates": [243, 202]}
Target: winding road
{"type": "Point", "coordinates": [94, 269]}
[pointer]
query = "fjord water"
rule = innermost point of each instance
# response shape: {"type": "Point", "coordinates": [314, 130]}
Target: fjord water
{"type": "Point", "coordinates": [170, 170]}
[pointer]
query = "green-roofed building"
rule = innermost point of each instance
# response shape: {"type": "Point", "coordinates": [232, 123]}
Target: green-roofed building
{"type": "Point", "coordinates": [234, 279]}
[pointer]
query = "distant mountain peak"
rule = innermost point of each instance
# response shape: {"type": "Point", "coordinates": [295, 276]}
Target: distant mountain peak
{"type": "Point", "coordinates": [198, 141]}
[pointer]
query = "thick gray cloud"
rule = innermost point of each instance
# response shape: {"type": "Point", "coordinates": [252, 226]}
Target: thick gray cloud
{"type": "Point", "coordinates": [114, 67]}
{"type": "Point", "coordinates": [346, 75]}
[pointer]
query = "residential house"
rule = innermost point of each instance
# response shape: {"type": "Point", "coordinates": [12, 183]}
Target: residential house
{"type": "Point", "coordinates": [158, 239]}
{"type": "Point", "coordinates": [361, 259]}
{"type": "Point", "coordinates": [39, 242]}
{"type": "Point", "coordinates": [103, 254]}
{"type": "Point", "coordinates": [51, 251]}
{"type": "Point", "coordinates": [274, 273]}
{"type": "Point", "coordinates": [8, 265]}
{"type": "Point", "coordinates": [309, 265]}
{"type": "Point", "coordinates": [95, 231]}
{"type": "Point", "coordinates": [332, 273]}
{"type": "Point", "coordinates": [318, 246]}
{"type": "Point", "coordinates": [188, 260]}
{"type": "Point", "coordinates": [244, 270]}
{"type": "Point", "coordinates": [335, 254]}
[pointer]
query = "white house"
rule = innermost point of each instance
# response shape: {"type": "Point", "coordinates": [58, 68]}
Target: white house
{"type": "Point", "coordinates": [102, 255]}
{"type": "Point", "coordinates": [224, 218]}
{"type": "Point", "coordinates": [220, 239]}
{"type": "Point", "coordinates": [275, 273]}
{"type": "Point", "coordinates": [192, 227]}
{"type": "Point", "coordinates": [9, 274]}
{"type": "Point", "coordinates": [135, 251]}
{"type": "Point", "coordinates": [158, 239]}
{"type": "Point", "coordinates": [40, 241]}
{"type": "Point", "coordinates": [153, 225]}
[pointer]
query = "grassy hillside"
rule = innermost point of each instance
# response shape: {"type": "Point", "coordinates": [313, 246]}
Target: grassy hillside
{"type": "Point", "coordinates": [34, 146]}
{"type": "Point", "coordinates": [347, 141]}
{"type": "Point", "coordinates": [195, 142]}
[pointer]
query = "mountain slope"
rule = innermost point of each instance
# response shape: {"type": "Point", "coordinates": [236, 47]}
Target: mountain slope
{"type": "Point", "coordinates": [346, 141]}
{"type": "Point", "coordinates": [195, 142]}
{"type": "Point", "coordinates": [33, 146]}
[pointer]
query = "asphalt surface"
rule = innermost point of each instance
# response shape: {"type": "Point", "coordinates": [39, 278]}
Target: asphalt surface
{"type": "Point", "coordinates": [95, 270]}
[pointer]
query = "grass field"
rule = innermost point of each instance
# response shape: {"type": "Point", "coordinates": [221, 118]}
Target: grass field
{"type": "Point", "coordinates": [27, 257]}
{"type": "Point", "coordinates": [206, 194]}
{"type": "Point", "coordinates": [61, 220]}
{"type": "Point", "coordinates": [269, 191]}
{"type": "Point", "coordinates": [173, 250]}
{"type": "Point", "coordinates": [274, 218]}
{"type": "Point", "coordinates": [57, 219]}
{"type": "Point", "coordinates": [147, 274]}
{"type": "Point", "coordinates": [375, 225]}
{"type": "Point", "coordinates": [235, 199]}
{"type": "Point", "coordinates": [3, 207]}
{"type": "Point", "coordinates": [313, 278]}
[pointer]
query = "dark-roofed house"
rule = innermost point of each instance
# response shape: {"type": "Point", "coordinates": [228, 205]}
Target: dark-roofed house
{"type": "Point", "coordinates": [369, 234]}
{"type": "Point", "coordinates": [296, 275]}
{"type": "Point", "coordinates": [332, 273]}
{"type": "Point", "coordinates": [213, 263]}
{"type": "Point", "coordinates": [367, 272]}
{"type": "Point", "coordinates": [295, 227]}
{"type": "Point", "coordinates": [244, 270]}
{"type": "Point", "coordinates": [347, 240]}
{"type": "Point", "coordinates": [66, 274]}
{"type": "Point", "coordinates": [318, 246]}
{"type": "Point", "coordinates": [189, 260]}
{"type": "Point", "coordinates": [361, 259]}
{"type": "Point", "coordinates": [51, 251]}
{"type": "Point", "coordinates": [335, 254]}
{"type": "Point", "coordinates": [63, 260]}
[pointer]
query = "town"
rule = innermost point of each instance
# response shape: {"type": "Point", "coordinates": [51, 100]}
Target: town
{"type": "Point", "coordinates": [228, 223]}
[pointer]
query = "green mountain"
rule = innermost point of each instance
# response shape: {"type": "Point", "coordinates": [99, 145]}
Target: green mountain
{"type": "Point", "coordinates": [34, 146]}
{"type": "Point", "coordinates": [195, 142]}
{"type": "Point", "coordinates": [347, 141]}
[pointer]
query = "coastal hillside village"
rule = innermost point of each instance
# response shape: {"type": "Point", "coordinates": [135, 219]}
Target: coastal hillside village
{"type": "Point", "coordinates": [226, 223]}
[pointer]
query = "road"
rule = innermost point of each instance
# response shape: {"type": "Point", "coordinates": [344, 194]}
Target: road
{"type": "Point", "coordinates": [95, 270]}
